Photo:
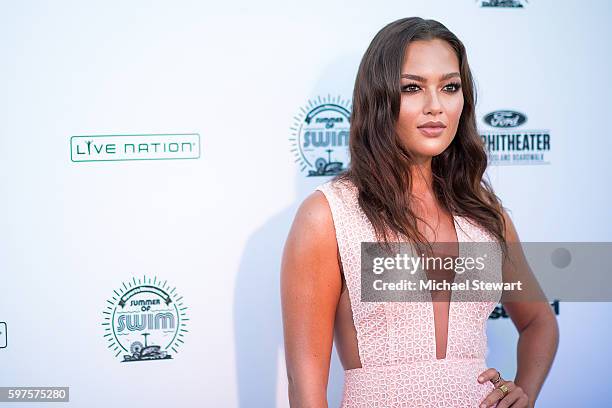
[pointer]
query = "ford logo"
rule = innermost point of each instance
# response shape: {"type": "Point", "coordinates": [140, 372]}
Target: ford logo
{"type": "Point", "coordinates": [505, 118]}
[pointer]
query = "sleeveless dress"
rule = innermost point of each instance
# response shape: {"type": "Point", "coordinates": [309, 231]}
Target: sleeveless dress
{"type": "Point", "coordinates": [396, 340]}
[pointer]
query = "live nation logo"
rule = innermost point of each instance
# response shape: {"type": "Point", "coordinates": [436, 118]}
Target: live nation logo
{"type": "Point", "coordinates": [144, 320]}
{"type": "Point", "coordinates": [103, 148]}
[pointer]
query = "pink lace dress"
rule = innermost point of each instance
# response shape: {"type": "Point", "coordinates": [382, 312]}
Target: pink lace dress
{"type": "Point", "coordinates": [396, 340]}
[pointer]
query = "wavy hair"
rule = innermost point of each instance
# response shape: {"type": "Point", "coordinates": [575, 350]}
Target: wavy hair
{"type": "Point", "coordinates": [379, 162]}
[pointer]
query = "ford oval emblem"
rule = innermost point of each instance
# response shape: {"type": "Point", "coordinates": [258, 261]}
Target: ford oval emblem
{"type": "Point", "coordinates": [505, 118]}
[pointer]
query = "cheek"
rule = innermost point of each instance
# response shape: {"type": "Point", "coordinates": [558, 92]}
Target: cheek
{"type": "Point", "coordinates": [409, 115]}
{"type": "Point", "coordinates": [454, 110]}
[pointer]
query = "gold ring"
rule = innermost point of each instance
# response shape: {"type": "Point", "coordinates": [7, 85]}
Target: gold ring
{"type": "Point", "coordinates": [504, 389]}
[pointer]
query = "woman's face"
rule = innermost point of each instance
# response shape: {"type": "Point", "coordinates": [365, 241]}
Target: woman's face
{"type": "Point", "coordinates": [430, 91]}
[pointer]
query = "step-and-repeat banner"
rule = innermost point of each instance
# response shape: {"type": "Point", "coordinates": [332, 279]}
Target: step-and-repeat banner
{"type": "Point", "coordinates": [153, 156]}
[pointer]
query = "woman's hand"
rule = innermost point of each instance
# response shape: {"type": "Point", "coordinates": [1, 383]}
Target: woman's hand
{"type": "Point", "coordinates": [515, 398]}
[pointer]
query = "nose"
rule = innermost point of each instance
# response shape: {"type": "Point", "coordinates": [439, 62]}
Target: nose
{"type": "Point", "coordinates": [433, 105]}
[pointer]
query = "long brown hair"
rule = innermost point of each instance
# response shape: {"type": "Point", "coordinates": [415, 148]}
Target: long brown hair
{"type": "Point", "coordinates": [378, 161]}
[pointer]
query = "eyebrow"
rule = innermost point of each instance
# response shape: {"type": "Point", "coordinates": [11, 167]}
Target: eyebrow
{"type": "Point", "coordinates": [422, 79]}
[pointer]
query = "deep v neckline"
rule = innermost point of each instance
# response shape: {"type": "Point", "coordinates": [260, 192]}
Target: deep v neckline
{"type": "Point", "coordinates": [451, 308]}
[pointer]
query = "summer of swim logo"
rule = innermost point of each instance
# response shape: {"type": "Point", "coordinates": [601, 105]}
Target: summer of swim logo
{"type": "Point", "coordinates": [320, 134]}
{"type": "Point", "coordinates": [506, 144]}
{"type": "Point", "coordinates": [502, 3]}
{"type": "Point", "coordinates": [145, 320]}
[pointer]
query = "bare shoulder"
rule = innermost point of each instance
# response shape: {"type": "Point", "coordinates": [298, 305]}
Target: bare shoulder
{"type": "Point", "coordinates": [311, 250]}
{"type": "Point", "coordinates": [509, 229]}
{"type": "Point", "coordinates": [313, 219]}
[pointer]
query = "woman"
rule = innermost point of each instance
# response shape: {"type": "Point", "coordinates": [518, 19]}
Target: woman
{"type": "Point", "coordinates": [416, 173]}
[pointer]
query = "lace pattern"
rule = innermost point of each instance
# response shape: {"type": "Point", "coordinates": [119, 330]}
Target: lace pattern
{"type": "Point", "coordinates": [396, 340]}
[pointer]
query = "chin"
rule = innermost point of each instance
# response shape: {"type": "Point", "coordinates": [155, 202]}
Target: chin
{"type": "Point", "coordinates": [430, 147]}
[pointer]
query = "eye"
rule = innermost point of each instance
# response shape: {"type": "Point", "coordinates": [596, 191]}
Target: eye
{"type": "Point", "coordinates": [455, 86]}
{"type": "Point", "coordinates": [409, 88]}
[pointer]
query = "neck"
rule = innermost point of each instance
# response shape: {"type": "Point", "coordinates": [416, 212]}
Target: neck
{"type": "Point", "coordinates": [422, 178]}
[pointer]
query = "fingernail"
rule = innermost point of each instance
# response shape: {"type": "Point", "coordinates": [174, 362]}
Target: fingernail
{"type": "Point", "coordinates": [480, 379]}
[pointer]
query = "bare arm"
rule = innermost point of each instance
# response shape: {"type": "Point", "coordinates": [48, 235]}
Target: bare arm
{"type": "Point", "coordinates": [310, 289]}
{"type": "Point", "coordinates": [537, 327]}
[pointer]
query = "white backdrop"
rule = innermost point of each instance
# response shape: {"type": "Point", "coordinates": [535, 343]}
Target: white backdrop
{"type": "Point", "coordinates": [238, 74]}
